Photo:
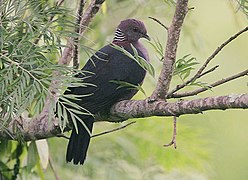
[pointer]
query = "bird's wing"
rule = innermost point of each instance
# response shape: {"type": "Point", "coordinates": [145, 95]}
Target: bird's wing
{"type": "Point", "coordinates": [105, 66]}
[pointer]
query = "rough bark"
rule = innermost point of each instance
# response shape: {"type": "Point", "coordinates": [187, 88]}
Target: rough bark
{"type": "Point", "coordinates": [37, 129]}
{"type": "Point", "coordinates": [170, 50]}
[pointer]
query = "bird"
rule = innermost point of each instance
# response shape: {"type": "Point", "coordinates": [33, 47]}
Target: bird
{"type": "Point", "coordinates": [101, 70]}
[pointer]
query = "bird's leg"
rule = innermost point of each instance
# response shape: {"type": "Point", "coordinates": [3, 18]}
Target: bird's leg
{"type": "Point", "coordinates": [173, 141]}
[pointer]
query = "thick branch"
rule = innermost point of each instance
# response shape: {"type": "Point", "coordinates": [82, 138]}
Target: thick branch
{"type": "Point", "coordinates": [128, 109]}
{"type": "Point", "coordinates": [170, 51]}
{"type": "Point", "coordinates": [136, 109]}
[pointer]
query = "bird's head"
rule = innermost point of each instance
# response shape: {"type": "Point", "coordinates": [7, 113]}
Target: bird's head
{"type": "Point", "coordinates": [131, 30]}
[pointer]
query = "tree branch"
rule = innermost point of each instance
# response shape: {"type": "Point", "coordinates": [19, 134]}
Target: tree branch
{"type": "Point", "coordinates": [90, 12]}
{"type": "Point", "coordinates": [77, 30]}
{"type": "Point", "coordinates": [42, 126]}
{"type": "Point", "coordinates": [33, 129]}
{"type": "Point", "coordinates": [113, 130]}
{"type": "Point", "coordinates": [142, 108]}
{"type": "Point", "coordinates": [208, 71]}
{"type": "Point", "coordinates": [215, 84]}
{"type": "Point", "coordinates": [170, 51]}
{"type": "Point", "coordinates": [199, 72]}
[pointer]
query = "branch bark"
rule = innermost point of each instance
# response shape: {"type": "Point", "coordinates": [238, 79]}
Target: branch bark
{"type": "Point", "coordinates": [215, 84]}
{"type": "Point", "coordinates": [142, 108]}
{"type": "Point", "coordinates": [210, 58]}
{"type": "Point", "coordinates": [129, 109]}
{"type": "Point", "coordinates": [170, 51]}
{"type": "Point", "coordinates": [77, 29]}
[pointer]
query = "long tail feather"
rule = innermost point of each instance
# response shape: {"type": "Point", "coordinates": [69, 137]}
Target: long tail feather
{"type": "Point", "coordinates": [79, 143]}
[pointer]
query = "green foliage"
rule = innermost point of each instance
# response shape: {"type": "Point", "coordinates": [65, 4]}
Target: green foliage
{"type": "Point", "coordinates": [170, 2]}
{"type": "Point", "coordinates": [184, 66]}
{"type": "Point", "coordinates": [25, 73]}
{"type": "Point", "coordinates": [158, 47]}
{"type": "Point", "coordinates": [31, 41]}
{"type": "Point", "coordinates": [183, 69]}
{"type": "Point", "coordinates": [30, 44]}
{"type": "Point", "coordinates": [243, 5]}
{"type": "Point", "coordinates": [23, 159]}
{"type": "Point", "coordinates": [67, 109]}
{"type": "Point", "coordinates": [130, 86]}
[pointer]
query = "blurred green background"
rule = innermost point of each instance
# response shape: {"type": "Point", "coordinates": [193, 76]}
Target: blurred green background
{"type": "Point", "coordinates": [212, 145]}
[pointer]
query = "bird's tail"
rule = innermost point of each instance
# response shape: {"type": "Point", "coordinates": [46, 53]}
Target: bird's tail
{"type": "Point", "coordinates": [79, 142]}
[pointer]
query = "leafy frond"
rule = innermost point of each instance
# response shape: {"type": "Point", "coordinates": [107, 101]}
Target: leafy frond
{"type": "Point", "coordinates": [158, 47]}
{"type": "Point", "coordinates": [31, 36]}
{"type": "Point", "coordinates": [243, 6]}
{"type": "Point", "coordinates": [184, 66]}
{"type": "Point", "coordinates": [129, 86]}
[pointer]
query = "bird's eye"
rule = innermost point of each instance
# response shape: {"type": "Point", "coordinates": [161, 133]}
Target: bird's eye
{"type": "Point", "coordinates": [135, 29]}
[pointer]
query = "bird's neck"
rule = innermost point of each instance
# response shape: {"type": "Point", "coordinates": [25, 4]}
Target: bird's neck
{"type": "Point", "coordinates": [120, 37]}
{"type": "Point", "coordinates": [121, 40]}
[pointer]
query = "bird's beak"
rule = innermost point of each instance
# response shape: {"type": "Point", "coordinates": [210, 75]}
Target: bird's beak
{"type": "Point", "coordinates": [147, 37]}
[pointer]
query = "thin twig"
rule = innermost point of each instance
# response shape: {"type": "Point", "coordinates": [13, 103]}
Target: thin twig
{"type": "Point", "coordinates": [173, 141]}
{"type": "Point", "coordinates": [208, 71]}
{"type": "Point", "coordinates": [77, 29]}
{"type": "Point", "coordinates": [159, 22]}
{"type": "Point", "coordinates": [199, 72]}
{"type": "Point", "coordinates": [217, 83]}
{"type": "Point", "coordinates": [113, 130]}
{"type": "Point", "coordinates": [218, 50]}
{"type": "Point", "coordinates": [170, 94]}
